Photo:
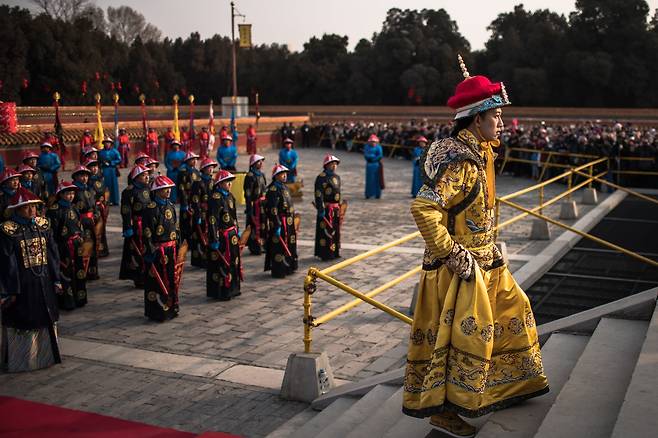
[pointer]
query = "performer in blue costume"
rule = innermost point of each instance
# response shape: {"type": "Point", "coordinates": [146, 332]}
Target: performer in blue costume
{"type": "Point", "coordinates": [417, 181]}
{"type": "Point", "coordinates": [288, 157]}
{"type": "Point", "coordinates": [373, 154]}
{"type": "Point", "coordinates": [227, 154]}
{"type": "Point", "coordinates": [173, 160]}
{"type": "Point", "coordinates": [110, 158]}
{"type": "Point", "coordinates": [49, 164]}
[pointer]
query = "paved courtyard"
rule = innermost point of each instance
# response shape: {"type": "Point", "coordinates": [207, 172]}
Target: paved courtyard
{"type": "Point", "coordinates": [217, 366]}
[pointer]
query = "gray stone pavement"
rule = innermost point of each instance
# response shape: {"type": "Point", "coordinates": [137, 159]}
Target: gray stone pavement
{"type": "Point", "coordinates": [262, 326]}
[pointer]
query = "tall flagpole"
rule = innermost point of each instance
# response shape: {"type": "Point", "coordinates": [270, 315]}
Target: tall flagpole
{"type": "Point", "coordinates": [233, 53]}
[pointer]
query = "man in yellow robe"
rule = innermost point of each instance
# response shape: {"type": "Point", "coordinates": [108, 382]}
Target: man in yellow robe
{"type": "Point", "coordinates": [474, 347]}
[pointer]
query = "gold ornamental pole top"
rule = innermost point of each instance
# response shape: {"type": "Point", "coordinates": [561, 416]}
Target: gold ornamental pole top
{"type": "Point", "coordinates": [97, 96]}
{"type": "Point", "coordinates": [116, 97]}
{"type": "Point", "coordinates": [142, 98]}
{"type": "Point", "coordinates": [56, 96]}
{"type": "Point", "coordinates": [191, 98]}
{"type": "Point", "coordinates": [462, 65]}
{"type": "Point", "coordinates": [176, 98]}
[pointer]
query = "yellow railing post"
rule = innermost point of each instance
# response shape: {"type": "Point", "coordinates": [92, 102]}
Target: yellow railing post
{"type": "Point", "coordinates": [591, 173]}
{"type": "Point", "coordinates": [569, 182]}
{"type": "Point", "coordinates": [541, 199]}
{"type": "Point", "coordinates": [545, 165]}
{"type": "Point", "coordinates": [309, 288]}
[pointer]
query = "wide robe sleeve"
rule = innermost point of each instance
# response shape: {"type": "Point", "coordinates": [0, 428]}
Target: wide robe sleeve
{"type": "Point", "coordinates": [430, 207]}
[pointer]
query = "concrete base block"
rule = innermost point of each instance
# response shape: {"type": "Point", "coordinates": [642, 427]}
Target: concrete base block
{"type": "Point", "coordinates": [308, 375]}
{"type": "Point", "coordinates": [502, 247]}
{"type": "Point", "coordinates": [414, 298]}
{"type": "Point", "coordinates": [540, 230]}
{"type": "Point", "coordinates": [569, 210]}
{"type": "Point", "coordinates": [590, 197]}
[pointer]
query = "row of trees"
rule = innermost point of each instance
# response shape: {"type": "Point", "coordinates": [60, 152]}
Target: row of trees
{"type": "Point", "coordinates": [603, 54]}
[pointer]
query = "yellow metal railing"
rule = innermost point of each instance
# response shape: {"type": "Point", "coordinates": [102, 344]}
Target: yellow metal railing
{"type": "Point", "coordinates": [547, 163]}
{"type": "Point", "coordinates": [310, 286]}
{"type": "Point", "coordinates": [310, 282]}
{"type": "Point", "coordinates": [540, 191]}
{"type": "Point", "coordinates": [537, 211]}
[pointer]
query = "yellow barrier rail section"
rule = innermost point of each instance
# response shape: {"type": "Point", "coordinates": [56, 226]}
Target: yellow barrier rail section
{"type": "Point", "coordinates": [586, 171]}
{"type": "Point", "coordinates": [310, 286]}
{"type": "Point", "coordinates": [547, 163]}
{"type": "Point", "coordinates": [540, 191]}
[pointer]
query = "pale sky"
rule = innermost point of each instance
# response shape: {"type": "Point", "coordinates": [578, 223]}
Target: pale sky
{"type": "Point", "coordinates": [294, 22]}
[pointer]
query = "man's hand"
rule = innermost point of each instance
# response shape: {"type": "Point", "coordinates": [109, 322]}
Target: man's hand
{"type": "Point", "coordinates": [58, 288]}
{"type": "Point", "coordinates": [461, 262]}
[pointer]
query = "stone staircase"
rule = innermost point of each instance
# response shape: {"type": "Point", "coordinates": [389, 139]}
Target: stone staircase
{"type": "Point", "coordinates": [602, 367]}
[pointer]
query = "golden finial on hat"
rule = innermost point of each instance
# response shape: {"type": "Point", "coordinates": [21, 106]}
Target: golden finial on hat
{"type": "Point", "coordinates": [462, 65]}
{"type": "Point", "coordinates": [503, 91]}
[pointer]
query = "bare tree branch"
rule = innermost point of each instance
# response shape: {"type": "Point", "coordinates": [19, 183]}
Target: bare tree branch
{"type": "Point", "coordinates": [126, 24]}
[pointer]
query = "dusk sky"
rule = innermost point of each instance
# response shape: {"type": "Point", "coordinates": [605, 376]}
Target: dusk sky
{"type": "Point", "coordinates": [293, 22]}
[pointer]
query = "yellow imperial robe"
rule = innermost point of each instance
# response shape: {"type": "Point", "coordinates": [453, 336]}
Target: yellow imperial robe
{"type": "Point", "coordinates": [474, 346]}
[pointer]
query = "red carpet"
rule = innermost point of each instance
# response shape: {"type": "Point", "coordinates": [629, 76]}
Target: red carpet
{"type": "Point", "coordinates": [26, 419]}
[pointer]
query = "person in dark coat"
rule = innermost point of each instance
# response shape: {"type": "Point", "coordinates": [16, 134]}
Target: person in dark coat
{"type": "Point", "coordinates": [29, 287]}
{"type": "Point", "coordinates": [161, 241]}
{"type": "Point", "coordinates": [27, 179]}
{"type": "Point", "coordinates": [201, 191]}
{"type": "Point", "coordinates": [281, 242]}
{"type": "Point", "coordinates": [254, 195]}
{"type": "Point", "coordinates": [85, 203]}
{"type": "Point", "coordinates": [101, 196]}
{"type": "Point", "coordinates": [65, 223]}
{"type": "Point", "coordinates": [10, 181]}
{"type": "Point", "coordinates": [327, 203]}
{"type": "Point", "coordinates": [224, 263]}
{"type": "Point", "coordinates": [134, 200]}
{"type": "Point", "coordinates": [30, 159]}
{"type": "Point", "coordinates": [187, 175]}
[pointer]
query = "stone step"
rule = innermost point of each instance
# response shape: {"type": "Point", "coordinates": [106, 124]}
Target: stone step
{"type": "Point", "coordinates": [359, 388]}
{"type": "Point", "coordinates": [559, 355]}
{"type": "Point", "coordinates": [324, 418]}
{"type": "Point", "coordinates": [376, 424]}
{"type": "Point", "coordinates": [589, 403]}
{"type": "Point", "coordinates": [409, 427]}
{"type": "Point", "coordinates": [358, 412]}
{"type": "Point", "coordinates": [296, 422]}
{"type": "Point", "coordinates": [638, 416]}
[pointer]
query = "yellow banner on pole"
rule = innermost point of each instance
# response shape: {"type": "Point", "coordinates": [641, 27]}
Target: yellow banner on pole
{"type": "Point", "coordinates": [175, 129]}
{"type": "Point", "coordinates": [245, 35]}
{"type": "Point", "coordinates": [98, 132]}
